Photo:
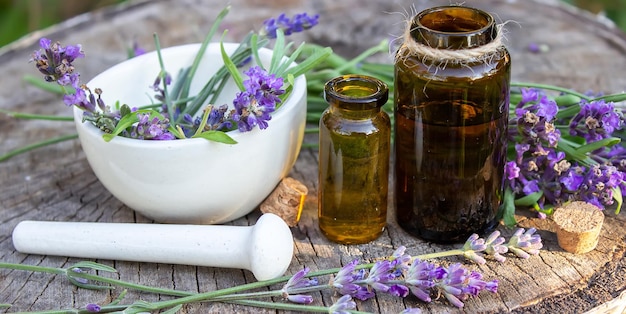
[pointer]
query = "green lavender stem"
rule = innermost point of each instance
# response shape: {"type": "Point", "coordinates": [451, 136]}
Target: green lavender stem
{"type": "Point", "coordinates": [550, 87]}
{"type": "Point", "coordinates": [34, 146]}
{"type": "Point", "coordinates": [30, 116]}
{"type": "Point", "coordinates": [233, 295]}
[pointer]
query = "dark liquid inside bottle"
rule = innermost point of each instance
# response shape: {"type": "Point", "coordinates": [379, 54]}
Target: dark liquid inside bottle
{"type": "Point", "coordinates": [451, 113]}
{"type": "Point", "coordinates": [449, 178]}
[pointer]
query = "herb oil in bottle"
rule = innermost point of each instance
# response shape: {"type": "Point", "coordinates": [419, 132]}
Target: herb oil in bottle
{"type": "Point", "coordinates": [354, 145]}
{"type": "Point", "coordinates": [452, 78]}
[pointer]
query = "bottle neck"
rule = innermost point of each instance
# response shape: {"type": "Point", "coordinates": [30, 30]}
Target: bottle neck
{"type": "Point", "coordinates": [359, 114]}
{"type": "Point", "coordinates": [356, 96]}
{"type": "Point", "coordinates": [453, 27]}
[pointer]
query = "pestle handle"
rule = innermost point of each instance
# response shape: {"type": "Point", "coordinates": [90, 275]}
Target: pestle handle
{"type": "Point", "coordinates": [266, 248]}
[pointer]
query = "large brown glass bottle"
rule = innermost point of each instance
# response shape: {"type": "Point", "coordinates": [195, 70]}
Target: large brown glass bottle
{"type": "Point", "coordinates": [355, 137]}
{"type": "Point", "coordinates": [450, 124]}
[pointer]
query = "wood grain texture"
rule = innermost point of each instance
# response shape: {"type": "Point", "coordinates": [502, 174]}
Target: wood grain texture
{"type": "Point", "coordinates": [56, 182]}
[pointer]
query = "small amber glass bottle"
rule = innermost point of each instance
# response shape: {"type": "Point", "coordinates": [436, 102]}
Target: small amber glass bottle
{"type": "Point", "coordinates": [354, 149]}
{"type": "Point", "coordinates": [452, 78]}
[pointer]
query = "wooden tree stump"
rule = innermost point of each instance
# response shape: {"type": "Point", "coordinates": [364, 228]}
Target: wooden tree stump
{"type": "Point", "coordinates": [56, 182]}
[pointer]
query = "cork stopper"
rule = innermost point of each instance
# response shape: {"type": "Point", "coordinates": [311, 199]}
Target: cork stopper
{"type": "Point", "coordinates": [578, 226]}
{"type": "Point", "coordinates": [286, 201]}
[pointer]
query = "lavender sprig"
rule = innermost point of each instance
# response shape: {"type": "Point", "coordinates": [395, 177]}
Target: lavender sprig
{"type": "Point", "coordinates": [565, 150]}
{"type": "Point", "coordinates": [259, 97]}
{"type": "Point", "coordinates": [399, 275]}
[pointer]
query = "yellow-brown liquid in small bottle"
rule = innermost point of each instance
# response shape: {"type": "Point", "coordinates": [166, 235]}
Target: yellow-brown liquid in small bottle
{"type": "Point", "coordinates": [354, 161]}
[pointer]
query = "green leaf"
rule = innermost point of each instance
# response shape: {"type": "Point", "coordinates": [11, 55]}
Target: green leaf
{"type": "Point", "coordinates": [125, 110]}
{"type": "Point", "coordinates": [573, 154]}
{"type": "Point", "coordinates": [196, 62]}
{"type": "Point", "coordinates": [119, 297]}
{"type": "Point", "coordinates": [254, 44]}
{"type": "Point", "coordinates": [88, 285]}
{"type": "Point", "coordinates": [205, 118]}
{"type": "Point", "coordinates": [216, 136]}
{"type": "Point", "coordinates": [93, 265]}
{"type": "Point", "coordinates": [27, 148]}
{"type": "Point", "coordinates": [173, 310]}
{"type": "Point", "coordinates": [167, 100]}
{"type": "Point", "coordinates": [30, 116]}
{"type": "Point", "coordinates": [514, 99]}
{"type": "Point", "coordinates": [617, 196]}
{"type": "Point", "coordinates": [311, 62]}
{"type": "Point", "coordinates": [232, 68]}
{"type": "Point", "coordinates": [590, 147]}
{"type": "Point", "coordinates": [567, 100]}
{"type": "Point", "coordinates": [128, 120]}
{"type": "Point", "coordinates": [529, 200]}
{"type": "Point", "coordinates": [550, 87]}
{"type": "Point", "coordinates": [568, 112]}
{"type": "Point", "coordinates": [383, 46]}
{"type": "Point", "coordinates": [507, 210]}
{"type": "Point", "coordinates": [611, 98]}
{"type": "Point", "coordinates": [177, 89]}
{"type": "Point", "coordinates": [177, 131]}
{"type": "Point", "coordinates": [144, 305]}
{"type": "Point", "coordinates": [278, 52]}
{"type": "Point", "coordinates": [282, 67]}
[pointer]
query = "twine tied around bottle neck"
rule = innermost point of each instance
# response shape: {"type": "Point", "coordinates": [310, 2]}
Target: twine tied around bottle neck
{"type": "Point", "coordinates": [442, 57]}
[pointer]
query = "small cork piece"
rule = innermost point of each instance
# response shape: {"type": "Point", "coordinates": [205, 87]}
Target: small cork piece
{"type": "Point", "coordinates": [578, 226]}
{"type": "Point", "coordinates": [286, 201]}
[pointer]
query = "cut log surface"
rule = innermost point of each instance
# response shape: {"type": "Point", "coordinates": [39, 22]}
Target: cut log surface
{"type": "Point", "coordinates": [585, 53]}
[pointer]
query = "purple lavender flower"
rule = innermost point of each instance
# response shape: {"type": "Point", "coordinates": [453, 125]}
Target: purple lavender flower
{"type": "Point", "coordinates": [595, 121]}
{"type": "Point", "coordinates": [379, 275]}
{"type": "Point", "coordinates": [137, 50]}
{"type": "Point", "coordinates": [398, 290]}
{"type": "Point", "coordinates": [472, 247]}
{"type": "Point", "coordinates": [344, 279]}
{"type": "Point", "coordinates": [537, 164]}
{"type": "Point", "coordinates": [523, 243]}
{"type": "Point", "coordinates": [343, 305]}
{"type": "Point", "coordinates": [452, 284]}
{"type": "Point", "coordinates": [495, 246]}
{"type": "Point", "coordinates": [460, 283]}
{"type": "Point", "coordinates": [298, 23]}
{"type": "Point", "coordinates": [421, 278]}
{"type": "Point", "coordinates": [156, 87]}
{"type": "Point", "coordinates": [77, 279]}
{"type": "Point", "coordinates": [600, 181]}
{"type": "Point", "coordinates": [400, 260]}
{"type": "Point", "coordinates": [218, 118]}
{"type": "Point", "coordinates": [255, 105]}
{"type": "Point", "coordinates": [299, 280]}
{"type": "Point", "coordinates": [533, 47]}
{"type": "Point", "coordinates": [511, 170]}
{"type": "Point", "coordinates": [151, 128]}
{"type": "Point", "coordinates": [346, 282]}
{"type": "Point", "coordinates": [54, 61]}
{"type": "Point", "coordinates": [93, 308]}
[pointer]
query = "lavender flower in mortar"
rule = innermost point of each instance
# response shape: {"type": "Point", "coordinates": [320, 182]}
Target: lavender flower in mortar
{"type": "Point", "coordinates": [254, 105]}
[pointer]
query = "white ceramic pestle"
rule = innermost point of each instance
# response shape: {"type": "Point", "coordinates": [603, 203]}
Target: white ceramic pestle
{"type": "Point", "coordinates": [265, 249]}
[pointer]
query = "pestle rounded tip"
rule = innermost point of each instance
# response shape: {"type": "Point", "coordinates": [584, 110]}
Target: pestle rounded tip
{"type": "Point", "coordinates": [271, 247]}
